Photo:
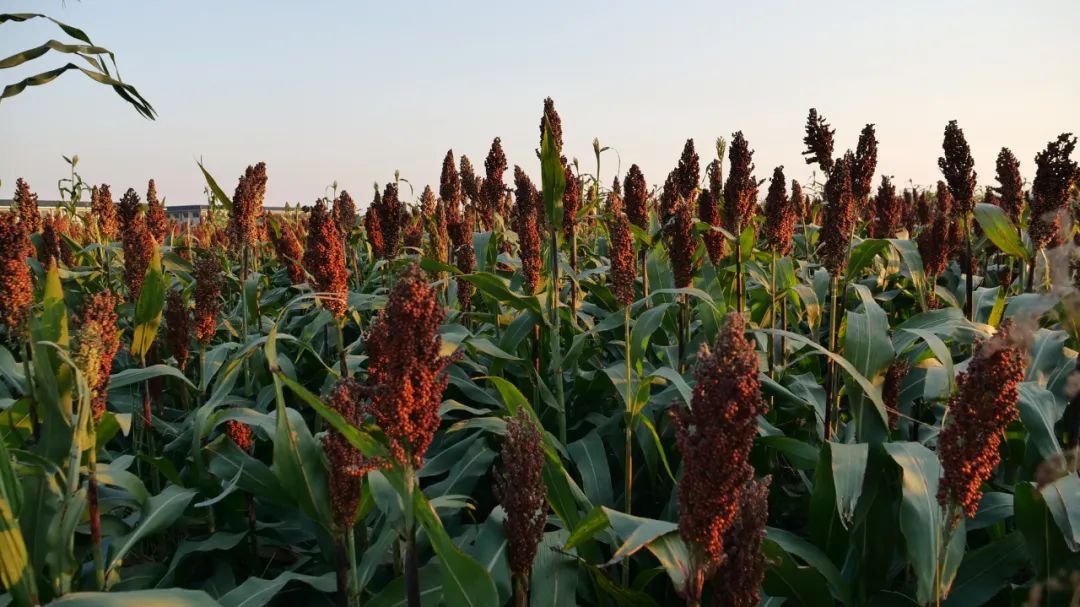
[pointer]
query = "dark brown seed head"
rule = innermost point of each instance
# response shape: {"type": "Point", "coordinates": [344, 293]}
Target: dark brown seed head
{"type": "Point", "coordinates": [178, 327]}
{"type": "Point", "coordinates": [129, 211]}
{"type": "Point", "coordinates": [738, 580]}
{"type": "Point", "coordinates": [526, 203]}
{"type": "Point", "coordinates": [637, 196]}
{"type": "Point", "coordinates": [94, 347]}
{"type": "Point", "coordinates": [1054, 175]}
{"type": "Point", "coordinates": [958, 167]}
{"type": "Point", "coordinates": [779, 215]}
{"type": "Point", "coordinates": [620, 249]}
{"type": "Point", "coordinates": [709, 212]}
{"type": "Point", "coordinates": [521, 490]}
{"type": "Point", "coordinates": [571, 202]}
{"type": "Point", "coordinates": [16, 288]}
{"type": "Point", "coordinates": [1010, 184]}
{"type": "Point", "coordinates": [470, 183]}
{"type": "Point", "coordinates": [838, 219]}
{"type": "Point", "coordinates": [247, 207]}
{"type": "Point", "coordinates": [450, 188]}
{"type": "Point", "coordinates": [688, 171]}
{"type": "Point", "coordinates": [103, 211]}
{"type": "Point", "coordinates": [349, 464]}
{"type": "Point", "coordinates": [552, 118]}
{"type": "Point", "coordinates": [373, 228]}
{"type": "Point", "coordinates": [862, 172]}
{"type": "Point", "coordinates": [714, 435]}
{"type": "Point", "coordinates": [207, 273]}
{"type": "Point", "coordinates": [392, 216]}
{"type": "Point", "coordinates": [324, 259]}
{"type": "Point", "coordinates": [819, 142]}
{"type": "Point", "coordinates": [25, 203]}
{"type": "Point", "coordinates": [888, 213]}
{"type": "Point", "coordinates": [407, 373]}
{"type": "Point", "coordinates": [491, 191]}
{"type": "Point", "coordinates": [344, 213]}
{"type": "Point", "coordinates": [288, 250]}
{"type": "Point", "coordinates": [139, 245]}
{"type": "Point", "coordinates": [156, 220]}
{"type": "Point", "coordinates": [740, 190]}
{"type": "Point", "coordinates": [983, 405]}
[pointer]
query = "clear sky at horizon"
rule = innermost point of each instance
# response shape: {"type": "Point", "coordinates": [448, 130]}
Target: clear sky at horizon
{"type": "Point", "coordinates": [352, 91]}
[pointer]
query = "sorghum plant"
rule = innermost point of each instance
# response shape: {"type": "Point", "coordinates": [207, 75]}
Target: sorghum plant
{"type": "Point", "coordinates": [520, 489]}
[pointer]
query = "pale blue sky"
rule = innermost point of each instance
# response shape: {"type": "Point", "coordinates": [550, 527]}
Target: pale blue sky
{"type": "Point", "coordinates": [351, 91]}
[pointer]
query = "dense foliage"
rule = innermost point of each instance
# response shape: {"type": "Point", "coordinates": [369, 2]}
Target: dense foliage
{"type": "Point", "coordinates": [714, 392]}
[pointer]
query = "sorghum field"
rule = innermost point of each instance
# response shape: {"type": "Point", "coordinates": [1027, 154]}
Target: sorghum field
{"type": "Point", "coordinates": [523, 386]}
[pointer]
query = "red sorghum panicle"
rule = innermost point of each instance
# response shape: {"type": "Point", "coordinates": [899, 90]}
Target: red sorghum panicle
{"type": "Point", "coordinates": [983, 405]}
{"type": "Point", "coordinates": [465, 259]}
{"type": "Point", "coordinates": [470, 182]}
{"type": "Point", "coordinates": [521, 491]}
{"type": "Point", "coordinates": [50, 242]}
{"type": "Point", "coordinates": [709, 212]}
{"type": "Point", "coordinates": [129, 211]}
{"type": "Point", "coordinates": [740, 190]}
{"type": "Point", "coordinates": [862, 171]}
{"type": "Point", "coordinates": [139, 245]}
{"type": "Point", "coordinates": [819, 142]}
{"type": "Point", "coordinates": [413, 236]}
{"type": "Point", "coordinates": [923, 210]}
{"type": "Point", "coordinates": [1054, 175]}
{"type": "Point", "coordinates": [800, 202]}
{"type": "Point", "coordinates": [392, 220]}
{"type": "Point", "coordinates": [450, 191]}
{"type": "Point", "coordinates": [527, 199]}
{"type": "Point", "coordinates": [1010, 184]}
{"type": "Point", "coordinates": [937, 241]}
{"type": "Point", "coordinates": [406, 371]}
{"type": "Point", "coordinates": [178, 327]}
{"type": "Point", "coordinates": [288, 250]}
{"type": "Point", "coordinates": [636, 194]}
{"type": "Point", "coordinates": [714, 435]}
{"type": "Point", "coordinates": [156, 220]}
{"type": "Point", "coordinates": [620, 250]}
{"type": "Point", "coordinates": [349, 465]}
{"type": "Point", "coordinates": [324, 258]}
{"type": "Point", "coordinates": [552, 118]}
{"type": "Point", "coordinates": [779, 215]}
{"type": "Point", "coordinates": [571, 203]}
{"type": "Point", "coordinates": [688, 171]}
{"type": "Point", "coordinates": [438, 242]}
{"type": "Point", "coordinates": [890, 390]}
{"type": "Point", "coordinates": [682, 242]}
{"type": "Point", "coordinates": [373, 229]}
{"type": "Point", "coordinates": [95, 346]}
{"type": "Point", "coordinates": [888, 213]}
{"type": "Point", "coordinates": [103, 211]}
{"type": "Point", "coordinates": [738, 579]}
{"type": "Point", "coordinates": [491, 191]}
{"type": "Point", "coordinates": [344, 213]}
{"type": "Point", "coordinates": [246, 207]}
{"type": "Point", "coordinates": [668, 204]}
{"type": "Point", "coordinates": [207, 273]}
{"type": "Point", "coordinates": [838, 219]}
{"type": "Point", "coordinates": [239, 433]}
{"type": "Point", "coordinates": [958, 167]}
{"type": "Point", "coordinates": [25, 203]}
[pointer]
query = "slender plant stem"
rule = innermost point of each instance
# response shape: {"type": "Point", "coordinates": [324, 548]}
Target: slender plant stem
{"type": "Point", "coordinates": [969, 303]}
{"type": "Point", "coordinates": [628, 477]}
{"type": "Point", "coordinates": [556, 349]}
{"type": "Point", "coordinates": [412, 566]}
{"type": "Point", "coordinates": [341, 569]}
{"type": "Point", "coordinates": [354, 578]}
{"type": "Point", "coordinates": [831, 396]}
{"type": "Point", "coordinates": [644, 256]}
{"type": "Point", "coordinates": [95, 511]}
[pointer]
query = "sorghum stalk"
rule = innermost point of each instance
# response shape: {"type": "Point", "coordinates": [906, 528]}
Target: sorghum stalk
{"type": "Point", "coordinates": [556, 349]}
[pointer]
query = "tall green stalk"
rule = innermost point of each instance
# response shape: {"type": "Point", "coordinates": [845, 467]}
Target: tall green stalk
{"type": "Point", "coordinates": [412, 565]}
{"type": "Point", "coordinates": [556, 349]}
{"type": "Point", "coordinates": [628, 476]}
